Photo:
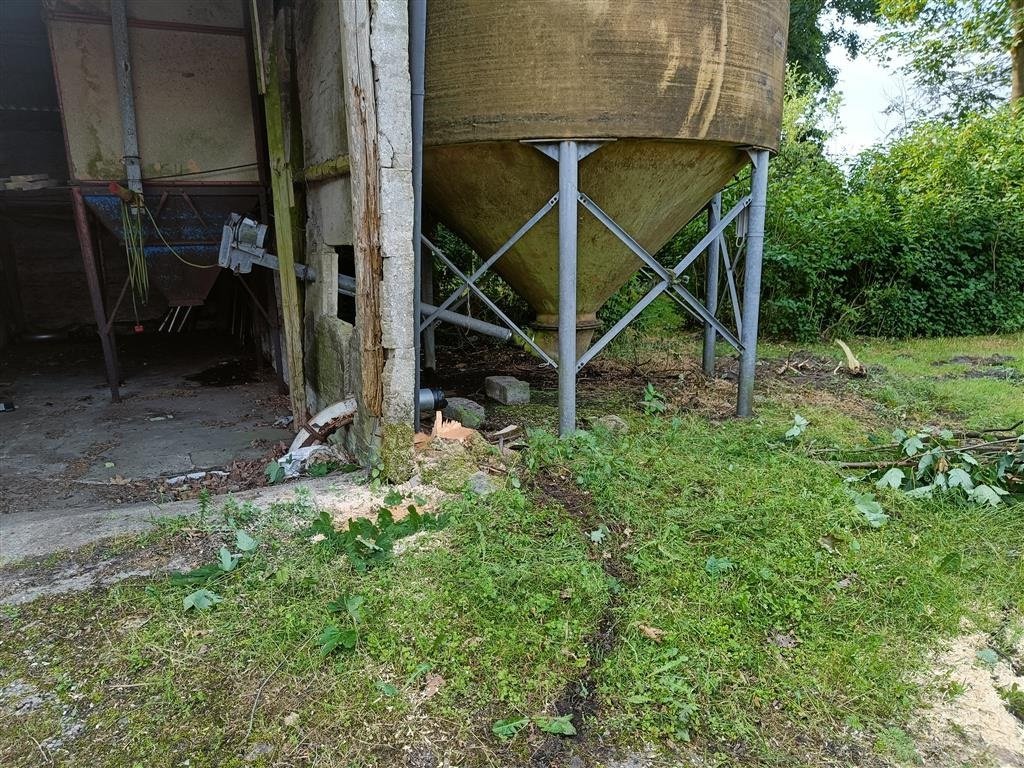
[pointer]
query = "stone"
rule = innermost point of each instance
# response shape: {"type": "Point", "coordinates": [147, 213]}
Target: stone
{"type": "Point", "coordinates": [396, 452]}
{"type": "Point", "coordinates": [467, 412]}
{"type": "Point", "coordinates": [333, 343]}
{"type": "Point", "coordinates": [612, 423]}
{"type": "Point", "coordinates": [507, 390]}
{"type": "Point", "coordinates": [257, 751]}
{"type": "Point", "coordinates": [481, 484]}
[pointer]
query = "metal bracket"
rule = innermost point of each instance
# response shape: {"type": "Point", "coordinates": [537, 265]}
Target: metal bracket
{"type": "Point", "coordinates": [241, 248]}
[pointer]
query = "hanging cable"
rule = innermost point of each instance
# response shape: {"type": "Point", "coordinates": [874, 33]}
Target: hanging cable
{"type": "Point", "coordinates": [138, 270]}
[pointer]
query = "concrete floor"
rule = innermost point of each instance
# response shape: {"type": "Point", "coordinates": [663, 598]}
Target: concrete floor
{"type": "Point", "coordinates": [66, 441]}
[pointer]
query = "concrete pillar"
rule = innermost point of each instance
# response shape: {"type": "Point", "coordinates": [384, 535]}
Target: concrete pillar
{"type": "Point", "coordinates": [375, 42]}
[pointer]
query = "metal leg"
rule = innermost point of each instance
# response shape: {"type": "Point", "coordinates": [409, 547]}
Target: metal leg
{"type": "Point", "coordinates": [752, 281]}
{"type": "Point", "coordinates": [568, 183]}
{"type": "Point", "coordinates": [423, 343]}
{"type": "Point", "coordinates": [96, 293]}
{"type": "Point", "coordinates": [427, 297]}
{"type": "Point", "coordinates": [711, 290]}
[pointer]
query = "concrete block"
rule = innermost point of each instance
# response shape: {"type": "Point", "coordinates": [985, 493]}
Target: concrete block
{"type": "Point", "coordinates": [468, 412]}
{"type": "Point", "coordinates": [507, 390]}
{"type": "Point", "coordinates": [333, 340]}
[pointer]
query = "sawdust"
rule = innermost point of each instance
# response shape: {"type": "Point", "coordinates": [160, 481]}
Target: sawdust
{"type": "Point", "coordinates": [345, 503]}
{"type": "Point", "coordinates": [966, 721]}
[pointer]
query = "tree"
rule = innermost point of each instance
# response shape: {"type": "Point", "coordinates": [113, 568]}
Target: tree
{"type": "Point", "coordinates": [815, 26]}
{"type": "Point", "coordinates": [964, 55]}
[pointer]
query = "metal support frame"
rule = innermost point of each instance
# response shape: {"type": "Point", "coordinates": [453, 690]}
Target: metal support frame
{"type": "Point", "coordinates": [748, 216]}
{"type": "Point", "coordinates": [92, 278]}
{"type": "Point", "coordinates": [568, 192]}
{"type": "Point", "coordinates": [125, 94]}
{"type": "Point", "coordinates": [752, 281]}
{"type": "Point", "coordinates": [711, 285]}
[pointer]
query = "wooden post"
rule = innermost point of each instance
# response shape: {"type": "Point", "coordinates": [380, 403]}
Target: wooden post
{"type": "Point", "coordinates": [281, 184]}
{"type": "Point", "coordinates": [364, 161]}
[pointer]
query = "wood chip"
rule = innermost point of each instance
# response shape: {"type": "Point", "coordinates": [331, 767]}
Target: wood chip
{"type": "Point", "coordinates": [450, 429]}
{"type": "Point", "coordinates": [651, 633]}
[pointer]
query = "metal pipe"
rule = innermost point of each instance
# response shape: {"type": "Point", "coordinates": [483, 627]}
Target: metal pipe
{"type": "Point", "coordinates": [568, 188]}
{"type": "Point", "coordinates": [427, 297]}
{"type": "Point", "coordinates": [431, 399]}
{"type": "Point", "coordinates": [487, 303]}
{"type": "Point", "coordinates": [752, 280]}
{"type": "Point", "coordinates": [417, 59]}
{"type": "Point", "coordinates": [125, 96]}
{"type": "Point", "coordinates": [95, 292]}
{"type": "Point", "coordinates": [347, 286]}
{"type": "Point", "coordinates": [711, 284]}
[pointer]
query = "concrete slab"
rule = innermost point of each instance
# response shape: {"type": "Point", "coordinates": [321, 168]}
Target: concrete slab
{"type": "Point", "coordinates": [66, 441]}
{"type": "Point", "coordinates": [43, 532]}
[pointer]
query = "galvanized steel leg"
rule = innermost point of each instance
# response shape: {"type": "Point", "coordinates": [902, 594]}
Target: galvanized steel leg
{"type": "Point", "coordinates": [568, 184]}
{"type": "Point", "coordinates": [711, 289]}
{"type": "Point", "coordinates": [752, 281]}
{"type": "Point", "coordinates": [427, 297]}
{"type": "Point", "coordinates": [422, 342]}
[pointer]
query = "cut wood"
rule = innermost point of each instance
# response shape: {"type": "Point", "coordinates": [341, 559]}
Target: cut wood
{"type": "Point", "coordinates": [854, 367]}
{"type": "Point", "coordinates": [450, 430]}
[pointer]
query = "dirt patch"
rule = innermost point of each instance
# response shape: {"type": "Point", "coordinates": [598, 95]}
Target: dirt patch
{"type": "Point", "coordinates": [974, 360]}
{"type": "Point", "coordinates": [239, 475]}
{"type": "Point", "coordinates": [102, 566]}
{"type": "Point", "coordinates": [462, 370]}
{"type": "Point", "coordinates": [579, 697]}
{"type": "Point", "coordinates": [991, 367]}
{"type": "Point", "coordinates": [230, 373]}
{"type": "Point", "coordinates": [1002, 374]}
{"type": "Point", "coordinates": [967, 721]}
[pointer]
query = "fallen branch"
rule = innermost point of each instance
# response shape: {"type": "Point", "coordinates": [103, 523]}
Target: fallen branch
{"type": "Point", "coordinates": [878, 464]}
{"type": "Point", "coordinates": [997, 431]}
{"type": "Point", "coordinates": [853, 366]}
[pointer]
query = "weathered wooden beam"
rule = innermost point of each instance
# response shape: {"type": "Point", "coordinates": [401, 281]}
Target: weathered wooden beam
{"type": "Point", "coordinates": [281, 184]}
{"type": "Point", "coordinates": [364, 161]}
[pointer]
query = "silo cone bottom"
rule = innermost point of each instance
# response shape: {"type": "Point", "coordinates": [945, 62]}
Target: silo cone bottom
{"type": "Point", "coordinates": [545, 329]}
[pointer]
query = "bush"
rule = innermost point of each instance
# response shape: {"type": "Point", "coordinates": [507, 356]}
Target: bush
{"type": "Point", "coordinates": [922, 239]}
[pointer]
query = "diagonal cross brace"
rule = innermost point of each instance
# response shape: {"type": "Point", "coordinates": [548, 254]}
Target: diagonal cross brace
{"type": "Point", "coordinates": [486, 300]}
{"type": "Point", "coordinates": [668, 277]}
{"type": "Point", "coordinates": [471, 280]}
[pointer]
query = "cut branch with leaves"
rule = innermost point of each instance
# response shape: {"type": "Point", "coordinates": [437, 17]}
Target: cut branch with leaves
{"type": "Point", "coordinates": [985, 467]}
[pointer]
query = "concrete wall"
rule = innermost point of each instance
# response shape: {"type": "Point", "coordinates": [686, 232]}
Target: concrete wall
{"type": "Point", "coordinates": [321, 100]}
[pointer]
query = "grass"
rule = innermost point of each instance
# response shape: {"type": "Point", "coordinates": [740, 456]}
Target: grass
{"type": "Point", "coordinates": [918, 377]}
{"type": "Point", "coordinates": [699, 586]}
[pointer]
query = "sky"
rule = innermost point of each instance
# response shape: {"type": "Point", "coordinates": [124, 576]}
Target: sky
{"type": "Point", "coordinates": [868, 88]}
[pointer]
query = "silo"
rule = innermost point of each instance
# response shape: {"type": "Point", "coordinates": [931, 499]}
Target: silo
{"type": "Point", "coordinates": [664, 98]}
{"type": "Point", "coordinates": [188, 67]}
